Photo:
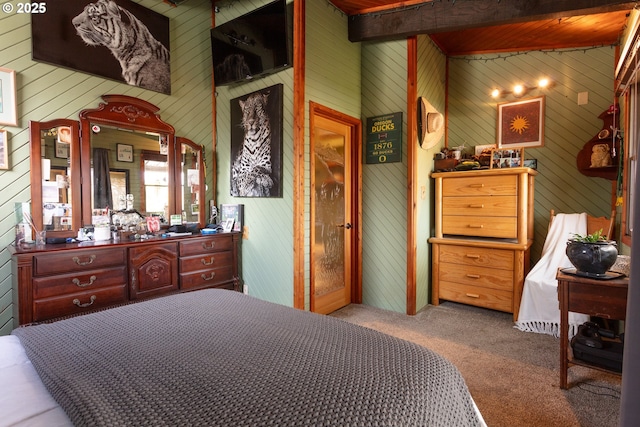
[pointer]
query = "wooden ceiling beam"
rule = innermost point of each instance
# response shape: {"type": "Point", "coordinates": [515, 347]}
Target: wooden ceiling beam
{"type": "Point", "coordinates": [439, 16]}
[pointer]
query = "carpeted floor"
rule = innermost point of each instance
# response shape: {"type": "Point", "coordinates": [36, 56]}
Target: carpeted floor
{"type": "Point", "coordinates": [513, 376]}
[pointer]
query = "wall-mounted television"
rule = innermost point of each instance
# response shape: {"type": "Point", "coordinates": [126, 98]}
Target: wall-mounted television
{"type": "Point", "coordinates": [252, 45]}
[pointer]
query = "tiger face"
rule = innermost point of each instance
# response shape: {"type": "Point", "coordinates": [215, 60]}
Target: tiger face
{"type": "Point", "coordinates": [95, 25]}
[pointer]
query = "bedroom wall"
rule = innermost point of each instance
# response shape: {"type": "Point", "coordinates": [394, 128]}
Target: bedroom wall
{"type": "Point", "coordinates": [333, 80]}
{"type": "Point", "coordinates": [384, 186]}
{"type": "Point", "coordinates": [431, 84]}
{"type": "Point", "coordinates": [46, 92]}
{"type": "Point", "coordinates": [568, 126]}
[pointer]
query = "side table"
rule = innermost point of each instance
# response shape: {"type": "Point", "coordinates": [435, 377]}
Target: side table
{"type": "Point", "coordinates": [605, 298]}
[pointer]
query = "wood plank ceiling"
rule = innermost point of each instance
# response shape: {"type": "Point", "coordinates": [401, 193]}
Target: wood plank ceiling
{"type": "Point", "coordinates": [563, 26]}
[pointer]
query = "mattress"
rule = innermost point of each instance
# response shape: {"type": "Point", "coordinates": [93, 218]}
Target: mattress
{"type": "Point", "coordinates": [217, 357]}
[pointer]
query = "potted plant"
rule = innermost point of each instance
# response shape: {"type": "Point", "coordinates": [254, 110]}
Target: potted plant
{"type": "Point", "coordinates": [592, 254]}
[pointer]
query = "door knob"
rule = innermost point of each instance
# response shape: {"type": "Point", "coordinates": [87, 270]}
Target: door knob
{"type": "Point", "coordinates": [347, 225]}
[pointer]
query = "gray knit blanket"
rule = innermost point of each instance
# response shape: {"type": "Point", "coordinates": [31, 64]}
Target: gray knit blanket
{"type": "Point", "coordinates": [221, 358]}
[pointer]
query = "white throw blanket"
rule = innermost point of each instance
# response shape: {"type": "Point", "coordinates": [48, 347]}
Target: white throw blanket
{"type": "Point", "coordinates": [539, 311]}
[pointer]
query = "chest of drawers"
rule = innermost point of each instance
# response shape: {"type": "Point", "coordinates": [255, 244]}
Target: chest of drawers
{"type": "Point", "coordinates": [483, 233]}
{"type": "Point", "coordinates": [54, 281]}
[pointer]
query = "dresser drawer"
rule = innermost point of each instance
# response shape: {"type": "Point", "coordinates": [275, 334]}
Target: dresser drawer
{"type": "Point", "coordinates": [207, 278]}
{"type": "Point", "coordinates": [475, 295]}
{"type": "Point", "coordinates": [81, 302]}
{"type": "Point", "coordinates": [86, 259]}
{"type": "Point", "coordinates": [485, 277]}
{"type": "Point", "coordinates": [481, 226]}
{"type": "Point", "coordinates": [205, 245]}
{"type": "Point", "coordinates": [499, 259]}
{"type": "Point", "coordinates": [206, 261]}
{"type": "Point", "coordinates": [44, 287]}
{"type": "Point", "coordinates": [480, 186]}
{"type": "Point", "coordinates": [494, 206]}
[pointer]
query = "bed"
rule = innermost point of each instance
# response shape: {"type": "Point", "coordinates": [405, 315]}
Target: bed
{"type": "Point", "coordinates": [220, 358]}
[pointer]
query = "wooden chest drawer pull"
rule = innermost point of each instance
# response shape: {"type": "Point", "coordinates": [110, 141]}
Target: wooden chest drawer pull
{"type": "Point", "coordinates": [205, 262]}
{"type": "Point", "coordinates": [211, 246]}
{"type": "Point", "coordinates": [89, 261]}
{"type": "Point", "coordinates": [473, 276]}
{"type": "Point", "coordinates": [473, 295]}
{"type": "Point", "coordinates": [84, 285]}
{"type": "Point", "coordinates": [86, 304]}
{"type": "Point", "coordinates": [205, 277]}
{"type": "Point", "coordinates": [476, 185]}
{"type": "Point", "coordinates": [473, 256]}
{"type": "Point", "coordinates": [478, 206]}
{"type": "Point", "coordinates": [476, 226]}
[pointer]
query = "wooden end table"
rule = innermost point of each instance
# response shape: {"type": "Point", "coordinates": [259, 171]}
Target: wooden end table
{"type": "Point", "coordinates": [594, 297]}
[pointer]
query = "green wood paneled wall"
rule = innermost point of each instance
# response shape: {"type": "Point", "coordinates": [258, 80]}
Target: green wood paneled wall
{"type": "Point", "coordinates": [46, 92]}
{"type": "Point", "coordinates": [568, 126]}
{"type": "Point", "coordinates": [431, 84]}
{"type": "Point", "coordinates": [384, 186]}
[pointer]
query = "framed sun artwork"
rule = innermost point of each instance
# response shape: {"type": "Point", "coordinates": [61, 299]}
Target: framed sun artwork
{"type": "Point", "coordinates": [521, 123]}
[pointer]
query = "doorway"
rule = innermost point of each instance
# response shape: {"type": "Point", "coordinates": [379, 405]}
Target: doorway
{"type": "Point", "coordinates": [335, 152]}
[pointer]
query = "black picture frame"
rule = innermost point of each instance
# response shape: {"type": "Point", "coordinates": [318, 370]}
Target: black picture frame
{"type": "Point", "coordinates": [273, 109]}
{"type": "Point", "coordinates": [56, 41]}
{"type": "Point", "coordinates": [235, 212]}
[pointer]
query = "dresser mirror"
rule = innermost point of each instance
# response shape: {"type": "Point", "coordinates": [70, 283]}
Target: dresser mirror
{"type": "Point", "coordinates": [55, 176]}
{"type": "Point", "coordinates": [190, 169]}
{"type": "Point", "coordinates": [120, 155]}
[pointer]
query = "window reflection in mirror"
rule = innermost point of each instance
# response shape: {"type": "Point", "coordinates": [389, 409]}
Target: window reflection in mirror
{"type": "Point", "coordinates": [155, 184]}
{"type": "Point", "coordinates": [136, 155]}
{"type": "Point", "coordinates": [56, 188]}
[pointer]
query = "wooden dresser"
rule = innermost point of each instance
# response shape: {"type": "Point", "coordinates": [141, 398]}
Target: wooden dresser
{"type": "Point", "coordinates": [54, 281]}
{"type": "Point", "coordinates": [483, 234]}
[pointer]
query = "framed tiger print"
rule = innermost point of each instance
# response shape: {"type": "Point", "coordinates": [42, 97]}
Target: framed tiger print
{"type": "Point", "coordinates": [256, 144]}
{"type": "Point", "coordinates": [116, 39]}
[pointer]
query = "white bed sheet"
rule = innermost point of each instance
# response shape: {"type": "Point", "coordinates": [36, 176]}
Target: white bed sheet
{"type": "Point", "coordinates": [25, 402]}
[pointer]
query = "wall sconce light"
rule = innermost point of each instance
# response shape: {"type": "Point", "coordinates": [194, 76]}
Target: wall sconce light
{"type": "Point", "coordinates": [520, 89]}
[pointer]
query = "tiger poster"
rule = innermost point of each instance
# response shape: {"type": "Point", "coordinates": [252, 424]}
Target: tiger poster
{"type": "Point", "coordinates": [116, 39]}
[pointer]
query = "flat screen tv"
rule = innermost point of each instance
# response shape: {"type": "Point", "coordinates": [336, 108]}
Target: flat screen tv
{"type": "Point", "coordinates": [252, 45]}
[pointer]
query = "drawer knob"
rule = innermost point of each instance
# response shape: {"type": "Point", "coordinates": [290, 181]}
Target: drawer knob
{"type": "Point", "coordinates": [477, 206]}
{"type": "Point", "coordinates": [84, 285]}
{"type": "Point", "coordinates": [89, 261]}
{"type": "Point", "coordinates": [205, 262]}
{"type": "Point", "coordinates": [473, 276]}
{"type": "Point", "coordinates": [473, 295]}
{"type": "Point", "coordinates": [476, 185]}
{"type": "Point", "coordinates": [476, 226]}
{"type": "Point", "coordinates": [205, 277]}
{"type": "Point", "coordinates": [86, 304]}
{"type": "Point", "coordinates": [210, 246]}
{"type": "Point", "coordinates": [473, 256]}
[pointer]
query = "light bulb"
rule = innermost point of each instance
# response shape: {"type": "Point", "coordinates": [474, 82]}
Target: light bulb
{"type": "Point", "coordinates": [518, 89]}
{"type": "Point", "coordinates": [544, 82]}
{"type": "Point", "coordinates": [495, 93]}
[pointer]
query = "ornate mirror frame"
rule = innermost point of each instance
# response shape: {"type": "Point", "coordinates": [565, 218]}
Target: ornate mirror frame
{"type": "Point", "coordinates": [124, 112]}
{"type": "Point", "coordinates": [37, 156]}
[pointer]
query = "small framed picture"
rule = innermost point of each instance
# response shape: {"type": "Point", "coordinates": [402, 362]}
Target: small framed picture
{"type": "Point", "coordinates": [507, 158]}
{"type": "Point", "coordinates": [531, 163]}
{"type": "Point", "coordinates": [125, 152]}
{"type": "Point", "coordinates": [227, 226]}
{"type": "Point", "coordinates": [8, 103]}
{"type": "Point", "coordinates": [62, 150]}
{"type": "Point", "coordinates": [521, 123]}
{"type": "Point", "coordinates": [4, 150]}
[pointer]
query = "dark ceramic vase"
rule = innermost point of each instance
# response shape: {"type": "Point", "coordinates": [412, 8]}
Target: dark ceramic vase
{"type": "Point", "coordinates": [592, 258]}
